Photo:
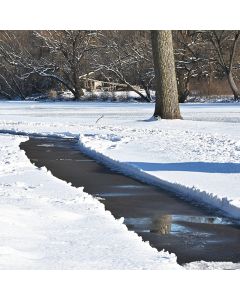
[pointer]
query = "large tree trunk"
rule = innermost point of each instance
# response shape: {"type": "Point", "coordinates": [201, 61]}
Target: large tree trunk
{"type": "Point", "coordinates": [233, 86]}
{"type": "Point", "coordinates": [167, 106]}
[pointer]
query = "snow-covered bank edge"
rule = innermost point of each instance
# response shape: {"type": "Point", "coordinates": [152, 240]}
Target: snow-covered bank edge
{"type": "Point", "coordinates": [142, 256]}
{"type": "Point", "coordinates": [133, 237]}
{"type": "Point", "coordinates": [189, 193]}
{"type": "Point", "coordinates": [203, 265]}
{"type": "Point", "coordinates": [40, 134]}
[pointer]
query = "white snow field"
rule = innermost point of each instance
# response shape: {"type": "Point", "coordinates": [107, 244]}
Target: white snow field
{"type": "Point", "coordinates": [197, 157]}
{"type": "Point", "coordinates": [46, 223]}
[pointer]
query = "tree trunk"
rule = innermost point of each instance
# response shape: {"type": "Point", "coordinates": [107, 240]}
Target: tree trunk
{"type": "Point", "coordinates": [147, 91]}
{"type": "Point", "coordinates": [209, 82]}
{"type": "Point", "coordinates": [167, 106]}
{"type": "Point", "coordinates": [145, 98]}
{"type": "Point", "coordinates": [233, 86]}
{"type": "Point", "coordinates": [78, 91]}
{"type": "Point", "coordinates": [183, 87]}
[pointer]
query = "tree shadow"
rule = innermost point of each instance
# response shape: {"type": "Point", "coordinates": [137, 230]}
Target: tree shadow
{"type": "Point", "coordinates": [150, 119]}
{"type": "Point", "coordinates": [204, 167]}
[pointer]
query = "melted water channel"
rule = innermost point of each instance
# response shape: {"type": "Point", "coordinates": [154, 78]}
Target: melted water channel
{"type": "Point", "coordinates": [192, 232]}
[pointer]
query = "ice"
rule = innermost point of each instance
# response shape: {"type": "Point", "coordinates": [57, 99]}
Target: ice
{"type": "Point", "coordinates": [197, 157]}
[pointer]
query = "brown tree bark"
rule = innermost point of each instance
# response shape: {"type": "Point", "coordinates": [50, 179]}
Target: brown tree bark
{"type": "Point", "coordinates": [167, 106]}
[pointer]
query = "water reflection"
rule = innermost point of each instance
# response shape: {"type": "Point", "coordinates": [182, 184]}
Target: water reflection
{"type": "Point", "coordinates": [114, 194]}
{"type": "Point", "coordinates": [202, 219]}
{"type": "Point", "coordinates": [164, 214]}
{"type": "Point", "coordinates": [162, 224]}
{"type": "Point", "coordinates": [172, 224]}
{"type": "Point", "coordinates": [70, 159]}
{"type": "Point", "coordinates": [129, 186]}
{"type": "Point", "coordinates": [45, 145]}
{"type": "Point", "coordinates": [158, 224]}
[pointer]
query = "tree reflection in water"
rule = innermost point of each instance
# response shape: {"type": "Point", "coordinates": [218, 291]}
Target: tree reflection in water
{"type": "Point", "coordinates": [161, 224]}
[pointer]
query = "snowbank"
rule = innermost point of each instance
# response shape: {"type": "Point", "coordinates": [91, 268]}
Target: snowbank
{"type": "Point", "coordinates": [197, 169]}
{"type": "Point", "coordinates": [46, 223]}
{"type": "Point", "coordinates": [197, 157]}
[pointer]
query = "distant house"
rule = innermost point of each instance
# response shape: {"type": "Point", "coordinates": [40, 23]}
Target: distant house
{"type": "Point", "coordinates": [93, 84]}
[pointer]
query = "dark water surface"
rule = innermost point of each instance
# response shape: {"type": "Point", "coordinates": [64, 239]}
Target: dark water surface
{"type": "Point", "coordinates": [192, 232]}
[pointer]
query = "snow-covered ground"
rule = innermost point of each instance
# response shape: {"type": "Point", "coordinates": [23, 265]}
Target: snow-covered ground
{"type": "Point", "coordinates": [46, 223]}
{"type": "Point", "coordinates": [197, 157]}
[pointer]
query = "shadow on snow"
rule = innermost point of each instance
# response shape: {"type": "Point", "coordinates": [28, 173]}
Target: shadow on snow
{"type": "Point", "coordinates": [204, 167]}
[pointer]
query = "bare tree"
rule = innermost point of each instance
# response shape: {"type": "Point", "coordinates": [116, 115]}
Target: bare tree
{"type": "Point", "coordinates": [127, 58]}
{"type": "Point", "coordinates": [191, 59]}
{"type": "Point", "coordinates": [10, 83]}
{"type": "Point", "coordinates": [167, 106]}
{"type": "Point", "coordinates": [38, 61]}
{"type": "Point", "coordinates": [68, 52]}
{"type": "Point", "coordinates": [63, 57]}
{"type": "Point", "coordinates": [224, 48]}
{"type": "Point", "coordinates": [18, 54]}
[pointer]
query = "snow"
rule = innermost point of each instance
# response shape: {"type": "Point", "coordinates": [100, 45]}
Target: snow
{"type": "Point", "coordinates": [203, 265]}
{"type": "Point", "coordinates": [46, 223]}
{"type": "Point", "coordinates": [197, 157]}
{"type": "Point", "coordinates": [197, 168]}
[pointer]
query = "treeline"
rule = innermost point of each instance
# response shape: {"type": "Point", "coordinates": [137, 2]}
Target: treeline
{"type": "Point", "coordinates": [35, 62]}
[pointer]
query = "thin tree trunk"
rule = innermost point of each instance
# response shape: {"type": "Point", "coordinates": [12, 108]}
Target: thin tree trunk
{"type": "Point", "coordinates": [145, 98]}
{"type": "Point", "coordinates": [19, 89]}
{"type": "Point", "coordinates": [227, 68]}
{"type": "Point", "coordinates": [183, 87]}
{"type": "Point", "coordinates": [64, 83]}
{"type": "Point", "coordinates": [148, 93]}
{"type": "Point", "coordinates": [210, 81]}
{"type": "Point", "coordinates": [233, 86]}
{"type": "Point", "coordinates": [167, 106]}
{"type": "Point", "coordinates": [76, 77]}
{"type": "Point", "coordinates": [78, 93]}
{"type": "Point", "coordinates": [77, 86]}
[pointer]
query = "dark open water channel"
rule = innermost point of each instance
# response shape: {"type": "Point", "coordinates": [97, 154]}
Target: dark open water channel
{"type": "Point", "coordinates": [192, 232]}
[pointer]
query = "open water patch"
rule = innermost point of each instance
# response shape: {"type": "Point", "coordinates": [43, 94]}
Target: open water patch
{"type": "Point", "coordinates": [193, 232]}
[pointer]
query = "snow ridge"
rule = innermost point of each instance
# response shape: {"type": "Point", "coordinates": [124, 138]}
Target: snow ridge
{"type": "Point", "coordinates": [42, 227]}
{"type": "Point", "coordinates": [96, 150]}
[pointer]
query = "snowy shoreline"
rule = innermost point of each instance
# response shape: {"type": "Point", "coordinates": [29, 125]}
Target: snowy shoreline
{"type": "Point", "coordinates": [62, 228]}
{"type": "Point", "coordinates": [203, 160]}
{"type": "Point", "coordinates": [226, 206]}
